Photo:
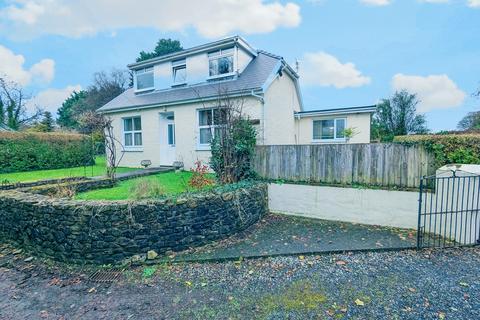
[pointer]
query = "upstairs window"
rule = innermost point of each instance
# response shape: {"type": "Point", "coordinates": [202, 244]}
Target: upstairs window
{"type": "Point", "coordinates": [144, 78]}
{"type": "Point", "coordinates": [132, 132]}
{"type": "Point", "coordinates": [209, 124]}
{"type": "Point", "coordinates": [179, 70]}
{"type": "Point", "coordinates": [221, 62]}
{"type": "Point", "coordinates": [329, 129]}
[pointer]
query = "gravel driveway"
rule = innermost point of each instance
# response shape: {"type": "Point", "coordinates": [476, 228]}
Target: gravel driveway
{"type": "Point", "coordinates": [382, 285]}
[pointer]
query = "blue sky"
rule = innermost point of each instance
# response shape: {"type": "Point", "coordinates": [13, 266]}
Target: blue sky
{"type": "Point", "coordinates": [351, 52]}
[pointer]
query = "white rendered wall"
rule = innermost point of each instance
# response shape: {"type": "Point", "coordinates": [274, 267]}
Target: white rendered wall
{"type": "Point", "coordinates": [366, 206]}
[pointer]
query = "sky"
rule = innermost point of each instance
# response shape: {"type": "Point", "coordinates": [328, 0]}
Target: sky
{"type": "Point", "coordinates": [350, 52]}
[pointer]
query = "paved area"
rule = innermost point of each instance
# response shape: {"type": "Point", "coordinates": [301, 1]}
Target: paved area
{"type": "Point", "coordinates": [381, 285]}
{"type": "Point", "coordinates": [283, 235]}
{"type": "Point", "coordinates": [137, 173]}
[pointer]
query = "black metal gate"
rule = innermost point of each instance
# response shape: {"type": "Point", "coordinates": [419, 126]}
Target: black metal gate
{"type": "Point", "coordinates": [448, 211]}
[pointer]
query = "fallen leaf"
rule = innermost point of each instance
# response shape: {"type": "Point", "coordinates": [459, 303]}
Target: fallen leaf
{"type": "Point", "coordinates": [412, 289]}
{"type": "Point", "coordinates": [359, 302]}
{"type": "Point", "coordinates": [341, 263]}
{"type": "Point", "coordinates": [203, 284]}
{"type": "Point", "coordinates": [188, 283]}
{"type": "Point", "coordinates": [463, 284]}
{"type": "Point", "coordinates": [250, 271]}
{"type": "Point", "coordinates": [441, 315]}
{"type": "Point", "coordinates": [54, 282]}
{"type": "Point", "coordinates": [344, 310]}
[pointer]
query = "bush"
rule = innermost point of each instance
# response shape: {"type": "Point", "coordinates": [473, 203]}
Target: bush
{"type": "Point", "coordinates": [233, 150]}
{"type": "Point", "coordinates": [200, 176]}
{"type": "Point", "coordinates": [146, 189]}
{"type": "Point", "coordinates": [447, 148]}
{"type": "Point", "coordinates": [39, 151]}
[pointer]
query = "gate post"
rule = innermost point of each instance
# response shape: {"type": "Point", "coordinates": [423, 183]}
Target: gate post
{"type": "Point", "coordinates": [420, 213]}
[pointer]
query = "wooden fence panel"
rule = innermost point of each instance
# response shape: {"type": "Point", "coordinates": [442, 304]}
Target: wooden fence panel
{"type": "Point", "coordinates": [373, 164]}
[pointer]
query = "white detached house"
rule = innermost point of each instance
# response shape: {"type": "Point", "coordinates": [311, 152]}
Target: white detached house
{"type": "Point", "coordinates": [169, 114]}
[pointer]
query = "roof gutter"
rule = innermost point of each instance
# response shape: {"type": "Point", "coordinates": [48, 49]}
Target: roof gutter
{"type": "Point", "coordinates": [236, 94]}
{"type": "Point", "coordinates": [330, 112]}
{"type": "Point", "coordinates": [236, 40]}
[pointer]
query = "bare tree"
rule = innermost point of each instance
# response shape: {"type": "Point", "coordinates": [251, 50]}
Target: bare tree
{"type": "Point", "coordinates": [232, 136]}
{"type": "Point", "coordinates": [13, 110]}
{"type": "Point", "coordinates": [100, 123]}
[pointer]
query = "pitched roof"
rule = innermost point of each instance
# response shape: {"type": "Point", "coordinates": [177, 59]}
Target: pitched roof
{"type": "Point", "coordinates": [254, 77]}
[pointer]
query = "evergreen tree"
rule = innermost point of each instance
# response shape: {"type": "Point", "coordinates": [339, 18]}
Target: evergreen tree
{"type": "Point", "coordinates": [163, 47]}
{"type": "Point", "coordinates": [398, 116]}
{"type": "Point", "coordinates": [66, 117]}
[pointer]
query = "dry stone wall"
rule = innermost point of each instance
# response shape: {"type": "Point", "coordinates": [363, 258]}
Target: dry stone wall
{"type": "Point", "coordinates": [104, 232]}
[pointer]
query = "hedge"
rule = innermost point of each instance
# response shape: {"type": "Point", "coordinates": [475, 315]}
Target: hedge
{"type": "Point", "coordinates": [38, 151]}
{"type": "Point", "coordinates": [447, 148]}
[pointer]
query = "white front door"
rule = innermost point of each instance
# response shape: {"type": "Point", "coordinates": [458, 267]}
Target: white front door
{"type": "Point", "coordinates": [167, 139]}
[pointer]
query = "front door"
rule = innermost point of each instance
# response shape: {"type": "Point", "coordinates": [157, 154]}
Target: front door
{"type": "Point", "coordinates": [167, 139]}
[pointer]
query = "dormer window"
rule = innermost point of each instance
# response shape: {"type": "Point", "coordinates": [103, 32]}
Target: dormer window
{"type": "Point", "coordinates": [144, 79]}
{"type": "Point", "coordinates": [221, 62]}
{"type": "Point", "coordinates": [179, 71]}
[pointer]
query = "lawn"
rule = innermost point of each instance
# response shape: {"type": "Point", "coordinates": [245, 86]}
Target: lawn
{"type": "Point", "coordinates": [170, 182]}
{"type": "Point", "coordinates": [96, 170]}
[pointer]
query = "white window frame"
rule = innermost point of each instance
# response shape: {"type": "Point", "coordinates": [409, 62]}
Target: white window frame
{"type": "Point", "coordinates": [133, 147]}
{"type": "Point", "coordinates": [143, 71]}
{"type": "Point", "coordinates": [179, 64]}
{"type": "Point", "coordinates": [206, 146]}
{"type": "Point", "coordinates": [221, 54]}
{"type": "Point", "coordinates": [335, 139]}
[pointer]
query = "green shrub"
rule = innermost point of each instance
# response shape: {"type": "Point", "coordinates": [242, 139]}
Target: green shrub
{"type": "Point", "coordinates": [233, 150]}
{"type": "Point", "coordinates": [447, 148]}
{"type": "Point", "coordinates": [40, 151]}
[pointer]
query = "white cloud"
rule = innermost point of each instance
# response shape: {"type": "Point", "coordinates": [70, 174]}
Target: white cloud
{"type": "Point", "coordinates": [376, 2]}
{"type": "Point", "coordinates": [323, 69]}
{"type": "Point", "coordinates": [51, 99]}
{"type": "Point", "coordinates": [434, 91]}
{"type": "Point", "coordinates": [211, 18]}
{"type": "Point", "coordinates": [12, 66]}
{"type": "Point", "coordinates": [474, 3]}
{"type": "Point", "coordinates": [44, 70]}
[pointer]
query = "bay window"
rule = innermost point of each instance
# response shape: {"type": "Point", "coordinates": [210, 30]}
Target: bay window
{"type": "Point", "coordinates": [329, 129]}
{"type": "Point", "coordinates": [132, 132]}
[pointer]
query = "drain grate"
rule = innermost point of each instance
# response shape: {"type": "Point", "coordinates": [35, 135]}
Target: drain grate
{"type": "Point", "coordinates": [105, 276]}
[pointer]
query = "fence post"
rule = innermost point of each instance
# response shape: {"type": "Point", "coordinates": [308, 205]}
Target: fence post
{"type": "Point", "coordinates": [420, 213]}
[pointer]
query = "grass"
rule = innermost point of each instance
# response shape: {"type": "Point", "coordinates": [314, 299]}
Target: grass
{"type": "Point", "coordinates": [27, 176]}
{"type": "Point", "coordinates": [171, 182]}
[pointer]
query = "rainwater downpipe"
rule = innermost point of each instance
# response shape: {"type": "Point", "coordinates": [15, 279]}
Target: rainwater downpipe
{"type": "Point", "coordinates": [262, 100]}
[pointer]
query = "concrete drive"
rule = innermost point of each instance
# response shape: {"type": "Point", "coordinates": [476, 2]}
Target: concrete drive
{"type": "Point", "coordinates": [287, 235]}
